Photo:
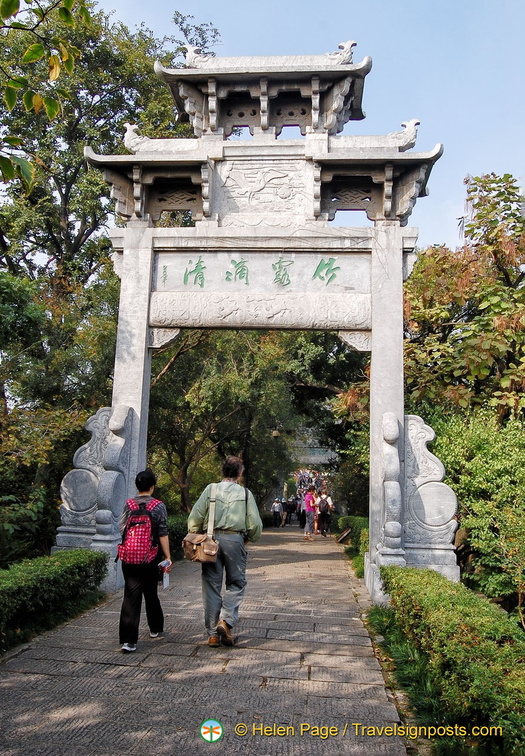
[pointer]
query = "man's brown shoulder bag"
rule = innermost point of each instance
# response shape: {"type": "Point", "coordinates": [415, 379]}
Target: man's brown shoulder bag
{"type": "Point", "coordinates": [202, 547]}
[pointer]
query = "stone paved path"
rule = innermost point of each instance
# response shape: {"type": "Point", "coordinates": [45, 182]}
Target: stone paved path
{"type": "Point", "coordinates": [304, 658]}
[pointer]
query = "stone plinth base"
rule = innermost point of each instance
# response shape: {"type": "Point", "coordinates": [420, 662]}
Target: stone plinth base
{"type": "Point", "coordinates": [73, 538]}
{"type": "Point", "coordinates": [441, 560]}
{"type": "Point", "coordinates": [114, 578]}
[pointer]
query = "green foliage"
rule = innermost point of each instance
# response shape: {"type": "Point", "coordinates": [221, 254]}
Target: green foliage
{"type": "Point", "coordinates": [475, 652]}
{"type": "Point", "coordinates": [177, 529]}
{"type": "Point", "coordinates": [219, 393]}
{"type": "Point", "coordinates": [350, 483]}
{"type": "Point", "coordinates": [359, 536]}
{"type": "Point", "coordinates": [20, 523]}
{"type": "Point", "coordinates": [21, 316]}
{"type": "Point", "coordinates": [38, 594]}
{"type": "Point", "coordinates": [484, 464]}
{"type": "Point", "coordinates": [267, 519]}
{"type": "Point", "coordinates": [34, 25]}
{"type": "Point", "coordinates": [58, 292]}
{"type": "Point", "coordinates": [412, 671]}
{"type": "Point", "coordinates": [465, 310]}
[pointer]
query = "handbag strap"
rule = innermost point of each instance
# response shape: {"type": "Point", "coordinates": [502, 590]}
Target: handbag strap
{"type": "Point", "coordinates": [211, 512]}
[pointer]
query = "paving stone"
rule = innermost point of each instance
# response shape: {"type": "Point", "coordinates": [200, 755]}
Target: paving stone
{"type": "Point", "coordinates": [356, 691]}
{"type": "Point", "coordinates": [332, 660]}
{"type": "Point", "coordinates": [303, 656]}
{"type": "Point", "coordinates": [349, 674]}
{"type": "Point", "coordinates": [321, 638]}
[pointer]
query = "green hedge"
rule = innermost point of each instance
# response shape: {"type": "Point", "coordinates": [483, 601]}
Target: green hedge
{"type": "Point", "coordinates": [37, 594]}
{"type": "Point", "coordinates": [358, 531]}
{"type": "Point", "coordinates": [358, 540]}
{"type": "Point", "coordinates": [476, 653]}
{"type": "Point", "coordinates": [267, 519]}
{"type": "Point", "coordinates": [177, 529]}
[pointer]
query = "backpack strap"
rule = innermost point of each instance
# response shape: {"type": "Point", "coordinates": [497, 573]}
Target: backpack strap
{"type": "Point", "coordinates": [134, 506]}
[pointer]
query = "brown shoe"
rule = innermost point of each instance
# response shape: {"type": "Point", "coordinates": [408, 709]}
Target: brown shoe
{"type": "Point", "coordinates": [214, 641]}
{"type": "Point", "coordinates": [225, 633]}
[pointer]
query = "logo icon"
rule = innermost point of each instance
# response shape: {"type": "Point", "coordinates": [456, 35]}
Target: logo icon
{"type": "Point", "coordinates": [211, 731]}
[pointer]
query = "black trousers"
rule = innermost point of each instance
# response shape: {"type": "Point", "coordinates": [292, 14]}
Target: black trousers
{"type": "Point", "coordinates": [324, 521]}
{"type": "Point", "coordinates": [140, 580]}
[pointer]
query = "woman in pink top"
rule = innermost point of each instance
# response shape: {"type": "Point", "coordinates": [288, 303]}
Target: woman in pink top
{"type": "Point", "coordinates": [309, 506]}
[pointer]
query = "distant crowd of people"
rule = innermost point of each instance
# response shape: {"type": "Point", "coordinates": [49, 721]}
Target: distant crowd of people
{"type": "Point", "coordinates": [312, 505]}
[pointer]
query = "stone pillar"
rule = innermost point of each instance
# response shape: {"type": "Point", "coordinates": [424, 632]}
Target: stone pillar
{"type": "Point", "coordinates": [126, 454]}
{"type": "Point", "coordinates": [386, 383]}
{"type": "Point", "coordinates": [131, 386]}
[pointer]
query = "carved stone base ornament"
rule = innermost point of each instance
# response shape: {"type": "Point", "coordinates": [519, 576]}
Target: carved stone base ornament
{"type": "Point", "coordinates": [431, 506]}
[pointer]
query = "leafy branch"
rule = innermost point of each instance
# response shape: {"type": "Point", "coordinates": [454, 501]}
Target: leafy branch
{"type": "Point", "coordinates": [59, 53]}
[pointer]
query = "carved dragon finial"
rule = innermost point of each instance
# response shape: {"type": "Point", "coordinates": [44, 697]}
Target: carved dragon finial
{"type": "Point", "coordinates": [410, 134]}
{"type": "Point", "coordinates": [133, 141]}
{"type": "Point", "coordinates": [194, 57]}
{"type": "Point", "coordinates": [343, 55]}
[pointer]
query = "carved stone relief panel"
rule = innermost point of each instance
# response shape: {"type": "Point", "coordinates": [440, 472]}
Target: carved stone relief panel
{"type": "Point", "coordinates": [161, 337]}
{"type": "Point", "coordinates": [292, 310]}
{"type": "Point", "coordinates": [79, 487]}
{"type": "Point", "coordinates": [358, 340]}
{"type": "Point", "coordinates": [351, 194]}
{"type": "Point", "coordinates": [409, 188]}
{"type": "Point", "coordinates": [262, 192]}
{"type": "Point", "coordinates": [121, 192]}
{"type": "Point", "coordinates": [240, 112]}
{"type": "Point", "coordinates": [337, 105]}
{"type": "Point", "coordinates": [261, 290]}
{"type": "Point", "coordinates": [277, 272]}
{"type": "Point", "coordinates": [90, 508]}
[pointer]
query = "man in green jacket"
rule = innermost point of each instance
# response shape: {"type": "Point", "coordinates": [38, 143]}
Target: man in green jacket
{"type": "Point", "coordinates": [237, 521]}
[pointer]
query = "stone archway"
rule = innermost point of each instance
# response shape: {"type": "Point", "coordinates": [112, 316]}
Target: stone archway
{"type": "Point", "coordinates": [261, 238]}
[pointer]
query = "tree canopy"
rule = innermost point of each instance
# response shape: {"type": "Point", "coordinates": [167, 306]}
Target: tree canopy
{"type": "Point", "coordinates": [465, 309]}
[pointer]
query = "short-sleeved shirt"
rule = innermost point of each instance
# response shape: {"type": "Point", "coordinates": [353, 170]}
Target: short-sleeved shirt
{"type": "Point", "coordinates": [309, 502]}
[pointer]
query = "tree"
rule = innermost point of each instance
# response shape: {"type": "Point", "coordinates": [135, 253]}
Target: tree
{"type": "Point", "coordinates": [52, 245]}
{"type": "Point", "coordinates": [465, 309]}
{"type": "Point", "coordinates": [220, 393]}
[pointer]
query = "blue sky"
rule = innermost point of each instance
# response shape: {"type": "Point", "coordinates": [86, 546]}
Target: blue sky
{"type": "Point", "coordinates": [456, 65]}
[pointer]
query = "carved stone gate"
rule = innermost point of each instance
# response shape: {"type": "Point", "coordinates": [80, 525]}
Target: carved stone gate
{"type": "Point", "coordinates": [260, 250]}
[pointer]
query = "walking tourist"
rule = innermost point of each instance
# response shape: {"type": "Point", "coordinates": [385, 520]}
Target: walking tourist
{"type": "Point", "coordinates": [276, 510]}
{"type": "Point", "coordinates": [325, 506]}
{"type": "Point", "coordinates": [144, 528]}
{"type": "Point", "coordinates": [237, 521]}
{"type": "Point", "coordinates": [309, 508]}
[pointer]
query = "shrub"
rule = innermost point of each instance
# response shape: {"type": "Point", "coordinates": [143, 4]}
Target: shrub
{"type": "Point", "coordinates": [37, 594]}
{"type": "Point", "coordinates": [476, 653]}
{"type": "Point", "coordinates": [177, 529]}
{"type": "Point", "coordinates": [267, 519]}
{"type": "Point", "coordinates": [484, 464]}
{"type": "Point", "coordinates": [359, 540]}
